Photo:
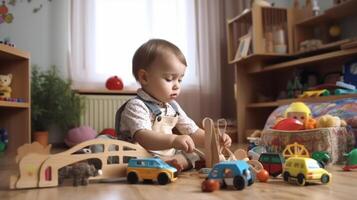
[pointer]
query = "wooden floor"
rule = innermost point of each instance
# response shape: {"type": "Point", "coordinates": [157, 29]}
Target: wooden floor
{"type": "Point", "coordinates": [187, 187]}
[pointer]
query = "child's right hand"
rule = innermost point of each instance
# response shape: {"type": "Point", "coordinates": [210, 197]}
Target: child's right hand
{"type": "Point", "coordinates": [184, 143]}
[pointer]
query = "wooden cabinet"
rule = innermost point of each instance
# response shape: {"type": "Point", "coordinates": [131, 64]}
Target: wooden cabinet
{"type": "Point", "coordinates": [15, 116]}
{"type": "Point", "coordinates": [260, 77]}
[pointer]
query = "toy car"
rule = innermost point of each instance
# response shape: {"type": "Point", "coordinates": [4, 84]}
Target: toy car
{"type": "Point", "coordinates": [272, 162]}
{"type": "Point", "coordinates": [255, 152]}
{"type": "Point", "coordinates": [305, 170]}
{"type": "Point", "coordinates": [232, 173]}
{"type": "Point", "coordinates": [150, 169]}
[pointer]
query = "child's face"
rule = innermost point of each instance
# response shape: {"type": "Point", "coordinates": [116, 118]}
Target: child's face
{"type": "Point", "coordinates": [301, 116]}
{"type": "Point", "coordinates": [163, 78]}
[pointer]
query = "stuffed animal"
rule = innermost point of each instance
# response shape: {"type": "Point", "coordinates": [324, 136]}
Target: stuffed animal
{"type": "Point", "coordinates": [327, 121]}
{"type": "Point", "coordinates": [79, 134]}
{"type": "Point", "coordinates": [5, 89]}
{"type": "Point", "coordinates": [80, 172]}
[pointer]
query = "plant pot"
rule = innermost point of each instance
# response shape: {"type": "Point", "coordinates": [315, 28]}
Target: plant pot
{"type": "Point", "coordinates": [41, 137]}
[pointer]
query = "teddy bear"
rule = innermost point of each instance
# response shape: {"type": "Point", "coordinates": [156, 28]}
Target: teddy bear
{"type": "Point", "coordinates": [326, 121]}
{"type": "Point", "coordinates": [5, 89]}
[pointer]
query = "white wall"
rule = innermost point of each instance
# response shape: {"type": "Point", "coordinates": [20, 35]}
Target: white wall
{"type": "Point", "coordinates": [43, 34]}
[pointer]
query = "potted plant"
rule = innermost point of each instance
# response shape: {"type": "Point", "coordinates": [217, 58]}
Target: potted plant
{"type": "Point", "coordinates": [53, 102]}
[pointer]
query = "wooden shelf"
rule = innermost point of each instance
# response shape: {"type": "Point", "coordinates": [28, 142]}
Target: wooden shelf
{"type": "Point", "coordinates": [340, 11]}
{"type": "Point", "coordinates": [340, 54]}
{"type": "Point", "coordinates": [263, 105]}
{"type": "Point", "coordinates": [254, 58]}
{"type": "Point", "coordinates": [14, 104]}
{"type": "Point", "coordinates": [243, 17]}
{"type": "Point", "coordinates": [15, 117]}
{"type": "Point", "coordinates": [11, 53]}
{"type": "Point", "coordinates": [288, 101]}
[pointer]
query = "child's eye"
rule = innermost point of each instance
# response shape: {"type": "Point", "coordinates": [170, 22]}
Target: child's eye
{"type": "Point", "coordinates": [168, 79]}
{"type": "Point", "coordinates": [180, 80]}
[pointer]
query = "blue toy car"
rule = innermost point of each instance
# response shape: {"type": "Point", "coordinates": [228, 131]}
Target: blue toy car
{"type": "Point", "coordinates": [233, 173]}
{"type": "Point", "coordinates": [150, 169]}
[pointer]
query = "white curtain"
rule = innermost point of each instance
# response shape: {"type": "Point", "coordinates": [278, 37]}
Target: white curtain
{"type": "Point", "coordinates": [200, 41]}
{"type": "Point", "coordinates": [81, 66]}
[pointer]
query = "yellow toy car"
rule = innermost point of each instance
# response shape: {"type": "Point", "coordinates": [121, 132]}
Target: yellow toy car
{"type": "Point", "coordinates": [150, 169]}
{"type": "Point", "coordinates": [304, 170]}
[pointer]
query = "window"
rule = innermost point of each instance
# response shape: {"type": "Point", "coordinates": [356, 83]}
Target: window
{"type": "Point", "coordinates": [122, 26]}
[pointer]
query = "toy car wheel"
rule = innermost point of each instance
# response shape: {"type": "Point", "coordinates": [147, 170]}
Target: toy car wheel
{"type": "Point", "coordinates": [239, 182]}
{"type": "Point", "coordinates": [286, 176]}
{"type": "Point", "coordinates": [251, 181]}
{"type": "Point", "coordinates": [132, 178]}
{"type": "Point", "coordinates": [163, 179]}
{"type": "Point", "coordinates": [223, 184]}
{"type": "Point", "coordinates": [301, 179]}
{"type": "Point", "coordinates": [325, 178]}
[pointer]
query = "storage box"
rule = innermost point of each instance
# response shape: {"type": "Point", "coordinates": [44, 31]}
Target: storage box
{"type": "Point", "coordinates": [336, 141]}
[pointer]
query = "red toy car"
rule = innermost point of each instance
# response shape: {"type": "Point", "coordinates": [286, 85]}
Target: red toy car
{"type": "Point", "coordinates": [272, 162]}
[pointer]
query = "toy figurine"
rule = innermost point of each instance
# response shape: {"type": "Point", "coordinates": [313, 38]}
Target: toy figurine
{"type": "Point", "coordinates": [301, 112]}
{"type": "Point", "coordinates": [80, 172]}
{"type": "Point", "coordinates": [351, 162]}
{"type": "Point", "coordinates": [5, 89]}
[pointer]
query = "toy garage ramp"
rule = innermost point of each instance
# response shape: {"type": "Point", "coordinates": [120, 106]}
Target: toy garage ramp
{"type": "Point", "coordinates": [44, 168]}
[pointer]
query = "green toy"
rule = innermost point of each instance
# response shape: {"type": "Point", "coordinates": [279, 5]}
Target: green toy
{"type": "Point", "coordinates": [322, 157]}
{"type": "Point", "coordinates": [351, 162]}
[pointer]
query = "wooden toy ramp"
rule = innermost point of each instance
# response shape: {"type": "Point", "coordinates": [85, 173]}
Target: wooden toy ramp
{"type": "Point", "coordinates": [41, 170]}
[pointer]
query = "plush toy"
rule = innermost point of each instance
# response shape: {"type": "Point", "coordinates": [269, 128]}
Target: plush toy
{"type": "Point", "coordinates": [5, 89]}
{"type": "Point", "coordinates": [326, 121]}
{"type": "Point", "coordinates": [79, 134]}
{"type": "Point", "coordinates": [80, 172]}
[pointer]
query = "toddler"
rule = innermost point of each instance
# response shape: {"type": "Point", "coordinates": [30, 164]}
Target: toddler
{"type": "Point", "coordinates": [159, 66]}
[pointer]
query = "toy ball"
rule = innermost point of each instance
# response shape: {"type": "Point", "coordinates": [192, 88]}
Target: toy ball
{"type": "Point", "coordinates": [335, 31]}
{"type": "Point", "coordinates": [114, 83]}
{"type": "Point", "coordinates": [210, 185]}
{"type": "Point", "coordinates": [109, 131]}
{"type": "Point", "coordinates": [79, 134]}
{"type": "Point", "coordinates": [263, 175]}
{"type": "Point", "coordinates": [289, 124]}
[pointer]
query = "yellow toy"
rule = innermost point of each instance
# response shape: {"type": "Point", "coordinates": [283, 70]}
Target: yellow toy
{"type": "Point", "coordinates": [305, 170]}
{"type": "Point", "coordinates": [301, 112]}
{"type": "Point", "coordinates": [327, 121]}
{"type": "Point", "coordinates": [5, 89]}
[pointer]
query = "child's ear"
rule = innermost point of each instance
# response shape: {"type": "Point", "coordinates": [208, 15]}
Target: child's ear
{"type": "Point", "coordinates": [142, 76]}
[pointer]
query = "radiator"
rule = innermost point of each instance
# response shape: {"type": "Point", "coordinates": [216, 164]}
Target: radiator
{"type": "Point", "coordinates": [99, 111]}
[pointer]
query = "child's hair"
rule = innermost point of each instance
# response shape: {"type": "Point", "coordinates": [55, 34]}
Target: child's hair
{"type": "Point", "coordinates": [147, 53]}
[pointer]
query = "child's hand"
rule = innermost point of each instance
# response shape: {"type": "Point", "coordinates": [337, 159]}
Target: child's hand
{"type": "Point", "coordinates": [184, 143]}
{"type": "Point", "coordinates": [225, 140]}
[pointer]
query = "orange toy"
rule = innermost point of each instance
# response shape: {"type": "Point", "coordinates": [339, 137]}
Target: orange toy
{"type": "Point", "coordinates": [263, 175]}
{"type": "Point", "coordinates": [310, 123]}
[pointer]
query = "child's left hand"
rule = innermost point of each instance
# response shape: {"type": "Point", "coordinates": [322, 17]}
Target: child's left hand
{"type": "Point", "coordinates": [225, 140]}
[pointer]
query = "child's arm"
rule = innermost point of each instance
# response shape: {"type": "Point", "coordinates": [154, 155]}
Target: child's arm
{"type": "Point", "coordinates": [152, 140]}
{"type": "Point", "coordinates": [199, 138]}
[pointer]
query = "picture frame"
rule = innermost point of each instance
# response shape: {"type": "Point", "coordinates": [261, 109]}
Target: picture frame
{"type": "Point", "coordinates": [243, 47]}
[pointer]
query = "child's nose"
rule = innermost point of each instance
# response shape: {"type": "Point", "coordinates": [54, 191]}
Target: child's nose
{"type": "Point", "coordinates": [176, 86]}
